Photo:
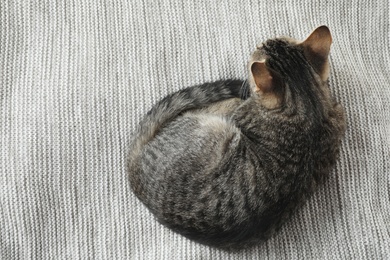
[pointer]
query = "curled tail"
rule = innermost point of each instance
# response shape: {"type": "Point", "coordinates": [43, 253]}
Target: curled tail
{"type": "Point", "coordinates": [169, 108]}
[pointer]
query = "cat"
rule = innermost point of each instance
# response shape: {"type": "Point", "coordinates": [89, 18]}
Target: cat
{"type": "Point", "coordinates": [227, 163]}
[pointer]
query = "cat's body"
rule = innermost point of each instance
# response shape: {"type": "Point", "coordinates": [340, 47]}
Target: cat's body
{"type": "Point", "coordinates": [226, 171]}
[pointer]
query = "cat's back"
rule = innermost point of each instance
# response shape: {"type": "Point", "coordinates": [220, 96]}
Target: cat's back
{"type": "Point", "coordinates": [196, 140]}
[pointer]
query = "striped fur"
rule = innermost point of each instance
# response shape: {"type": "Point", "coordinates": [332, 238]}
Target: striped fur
{"type": "Point", "coordinates": [228, 172]}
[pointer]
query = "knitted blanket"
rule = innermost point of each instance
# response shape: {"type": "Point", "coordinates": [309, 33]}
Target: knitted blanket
{"type": "Point", "coordinates": [77, 76]}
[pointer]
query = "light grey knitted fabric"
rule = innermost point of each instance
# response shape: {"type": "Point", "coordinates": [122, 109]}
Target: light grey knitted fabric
{"type": "Point", "coordinates": [76, 76]}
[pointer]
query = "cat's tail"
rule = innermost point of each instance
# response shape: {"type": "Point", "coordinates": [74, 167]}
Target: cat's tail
{"type": "Point", "coordinates": [169, 108]}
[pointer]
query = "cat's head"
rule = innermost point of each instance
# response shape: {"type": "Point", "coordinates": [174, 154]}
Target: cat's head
{"type": "Point", "coordinates": [284, 66]}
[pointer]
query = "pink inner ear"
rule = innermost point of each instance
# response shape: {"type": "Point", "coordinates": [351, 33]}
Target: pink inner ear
{"type": "Point", "coordinates": [262, 77]}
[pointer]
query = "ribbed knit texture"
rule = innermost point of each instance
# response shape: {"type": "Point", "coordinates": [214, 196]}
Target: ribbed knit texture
{"type": "Point", "coordinates": [76, 77]}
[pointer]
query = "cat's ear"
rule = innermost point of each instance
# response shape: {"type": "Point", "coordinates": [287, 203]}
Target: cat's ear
{"type": "Point", "coordinates": [262, 77]}
{"type": "Point", "coordinates": [266, 84]}
{"type": "Point", "coordinates": [316, 48]}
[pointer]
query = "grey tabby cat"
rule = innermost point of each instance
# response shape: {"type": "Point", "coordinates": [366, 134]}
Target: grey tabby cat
{"type": "Point", "coordinates": [227, 171]}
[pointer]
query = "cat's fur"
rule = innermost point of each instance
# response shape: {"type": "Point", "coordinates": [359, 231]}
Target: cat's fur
{"type": "Point", "coordinates": [228, 172]}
